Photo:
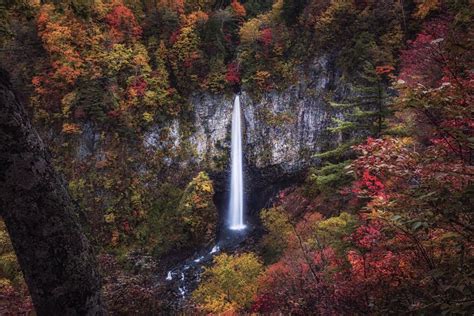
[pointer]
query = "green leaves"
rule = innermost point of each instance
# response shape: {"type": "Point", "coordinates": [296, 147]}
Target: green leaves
{"type": "Point", "coordinates": [277, 224]}
{"type": "Point", "coordinates": [331, 177]}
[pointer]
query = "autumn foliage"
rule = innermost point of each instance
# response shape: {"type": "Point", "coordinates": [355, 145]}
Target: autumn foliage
{"type": "Point", "coordinates": [409, 248]}
{"type": "Point", "coordinates": [232, 76]}
{"type": "Point", "coordinates": [238, 8]}
{"type": "Point", "coordinates": [382, 224]}
{"type": "Point", "coordinates": [122, 23]}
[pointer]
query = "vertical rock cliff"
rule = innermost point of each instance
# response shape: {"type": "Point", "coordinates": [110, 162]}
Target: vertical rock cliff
{"type": "Point", "coordinates": [283, 129]}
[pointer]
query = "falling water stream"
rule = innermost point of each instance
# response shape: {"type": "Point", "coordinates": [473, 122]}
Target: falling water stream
{"type": "Point", "coordinates": [236, 205]}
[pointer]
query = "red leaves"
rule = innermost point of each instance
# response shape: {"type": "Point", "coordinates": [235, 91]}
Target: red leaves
{"type": "Point", "coordinates": [232, 76]}
{"type": "Point", "coordinates": [126, 226]}
{"type": "Point", "coordinates": [384, 70]}
{"type": "Point", "coordinates": [138, 87]}
{"type": "Point", "coordinates": [15, 300]}
{"type": "Point", "coordinates": [114, 113]}
{"type": "Point", "coordinates": [123, 24]}
{"type": "Point", "coordinates": [370, 185]}
{"type": "Point", "coordinates": [266, 37]}
{"type": "Point", "coordinates": [174, 36]}
{"type": "Point", "coordinates": [368, 236]}
{"type": "Point", "coordinates": [423, 61]}
{"type": "Point", "coordinates": [289, 287]}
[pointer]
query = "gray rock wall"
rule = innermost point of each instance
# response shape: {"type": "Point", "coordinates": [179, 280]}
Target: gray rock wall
{"type": "Point", "coordinates": [283, 129]}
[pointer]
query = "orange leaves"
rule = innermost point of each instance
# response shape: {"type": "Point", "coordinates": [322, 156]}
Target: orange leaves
{"type": "Point", "coordinates": [71, 128]}
{"type": "Point", "coordinates": [41, 84]}
{"type": "Point", "coordinates": [114, 240]}
{"type": "Point", "coordinates": [68, 72]}
{"type": "Point", "coordinates": [43, 17]}
{"type": "Point", "coordinates": [123, 24]}
{"type": "Point", "coordinates": [138, 87]}
{"type": "Point", "coordinates": [425, 7]}
{"type": "Point", "coordinates": [238, 8]}
{"type": "Point", "coordinates": [62, 37]}
{"type": "Point", "coordinates": [195, 17]}
{"type": "Point", "coordinates": [385, 69]}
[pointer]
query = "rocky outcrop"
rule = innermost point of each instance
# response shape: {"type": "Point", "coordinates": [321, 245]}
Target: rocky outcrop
{"type": "Point", "coordinates": [281, 129]}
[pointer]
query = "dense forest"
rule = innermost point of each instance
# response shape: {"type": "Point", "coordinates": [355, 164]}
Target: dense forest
{"type": "Point", "coordinates": [358, 154]}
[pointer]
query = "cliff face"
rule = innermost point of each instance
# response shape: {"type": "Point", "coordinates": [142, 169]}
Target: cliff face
{"type": "Point", "coordinates": [281, 129]}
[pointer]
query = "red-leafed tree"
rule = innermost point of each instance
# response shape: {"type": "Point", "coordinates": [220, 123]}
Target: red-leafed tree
{"type": "Point", "coordinates": [266, 36]}
{"type": "Point", "coordinates": [425, 60]}
{"type": "Point", "coordinates": [232, 76]}
{"type": "Point", "coordinates": [123, 25]}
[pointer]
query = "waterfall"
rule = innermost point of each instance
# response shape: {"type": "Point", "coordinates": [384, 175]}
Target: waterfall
{"type": "Point", "coordinates": [236, 205]}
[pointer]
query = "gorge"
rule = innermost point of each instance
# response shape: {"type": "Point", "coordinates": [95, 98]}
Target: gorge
{"type": "Point", "coordinates": [236, 157]}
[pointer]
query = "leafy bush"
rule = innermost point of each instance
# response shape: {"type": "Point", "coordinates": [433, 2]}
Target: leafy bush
{"type": "Point", "coordinates": [229, 285]}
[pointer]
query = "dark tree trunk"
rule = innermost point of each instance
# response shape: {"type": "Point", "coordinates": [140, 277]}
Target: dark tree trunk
{"type": "Point", "coordinates": [55, 256]}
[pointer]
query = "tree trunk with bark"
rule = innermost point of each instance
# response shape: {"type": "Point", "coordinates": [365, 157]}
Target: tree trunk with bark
{"type": "Point", "coordinates": [55, 256]}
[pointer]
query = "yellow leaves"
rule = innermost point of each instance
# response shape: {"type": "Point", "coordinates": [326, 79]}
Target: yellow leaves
{"type": "Point", "coordinates": [136, 198]}
{"type": "Point", "coordinates": [109, 218]}
{"type": "Point", "coordinates": [5, 244]}
{"type": "Point", "coordinates": [66, 103]}
{"type": "Point", "coordinates": [207, 187]}
{"type": "Point", "coordinates": [147, 117]}
{"type": "Point", "coordinates": [220, 304]}
{"type": "Point", "coordinates": [117, 58]}
{"type": "Point", "coordinates": [71, 128]}
{"type": "Point", "coordinates": [141, 58]}
{"type": "Point", "coordinates": [336, 8]}
{"type": "Point", "coordinates": [229, 284]}
{"type": "Point", "coordinates": [276, 222]}
{"type": "Point", "coordinates": [203, 183]}
{"type": "Point", "coordinates": [76, 187]}
{"type": "Point", "coordinates": [9, 268]}
{"type": "Point", "coordinates": [405, 141]}
{"type": "Point", "coordinates": [262, 78]}
{"type": "Point", "coordinates": [121, 57]}
{"type": "Point", "coordinates": [5, 283]}
{"type": "Point", "coordinates": [197, 209]}
{"type": "Point", "coordinates": [425, 7]}
{"type": "Point", "coordinates": [250, 31]}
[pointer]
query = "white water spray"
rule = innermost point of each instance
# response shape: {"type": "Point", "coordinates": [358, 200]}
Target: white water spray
{"type": "Point", "coordinates": [236, 205]}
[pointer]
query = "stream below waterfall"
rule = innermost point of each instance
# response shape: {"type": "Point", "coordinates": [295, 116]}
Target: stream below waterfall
{"type": "Point", "coordinates": [185, 276]}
